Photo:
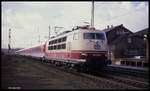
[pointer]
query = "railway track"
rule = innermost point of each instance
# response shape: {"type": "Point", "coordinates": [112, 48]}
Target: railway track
{"type": "Point", "coordinates": [137, 75]}
{"type": "Point", "coordinates": [131, 72]}
{"type": "Point", "coordinates": [133, 78]}
{"type": "Point", "coordinates": [107, 77]}
{"type": "Point", "coordinates": [96, 79]}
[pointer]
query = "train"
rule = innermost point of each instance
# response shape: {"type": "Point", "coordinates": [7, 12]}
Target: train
{"type": "Point", "coordinates": [83, 47]}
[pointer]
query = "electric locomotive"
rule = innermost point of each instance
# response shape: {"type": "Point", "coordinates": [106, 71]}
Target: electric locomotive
{"type": "Point", "coordinates": [83, 47]}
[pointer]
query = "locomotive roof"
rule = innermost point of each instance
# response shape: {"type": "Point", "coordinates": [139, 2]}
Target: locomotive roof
{"type": "Point", "coordinates": [76, 28]}
{"type": "Point", "coordinates": [86, 27]}
{"type": "Point", "coordinates": [69, 31]}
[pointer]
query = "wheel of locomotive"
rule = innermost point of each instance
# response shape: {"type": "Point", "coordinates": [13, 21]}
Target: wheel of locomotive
{"type": "Point", "coordinates": [43, 59]}
{"type": "Point", "coordinates": [63, 63]}
{"type": "Point", "coordinates": [52, 61]}
{"type": "Point", "coordinates": [109, 62]}
{"type": "Point", "coordinates": [82, 67]}
{"type": "Point", "coordinates": [71, 65]}
{"type": "Point", "coordinates": [77, 67]}
{"type": "Point", "coordinates": [46, 61]}
{"type": "Point", "coordinates": [67, 65]}
{"type": "Point", "coordinates": [85, 68]}
{"type": "Point", "coordinates": [58, 63]}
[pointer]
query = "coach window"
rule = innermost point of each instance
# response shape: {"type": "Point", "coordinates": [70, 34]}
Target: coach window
{"type": "Point", "coordinates": [52, 42]}
{"type": "Point", "coordinates": [54, 47]}
{"type": "Point", "coordinates": [58, 47]}
{"type": "Point", "coordinates": [63, 46]}
{"type": "Point", "coordinates": [59, 40]}
{"type": "Point", "coordinates": [75, 36]}
{"type": "Point", "coordinates": [49, 48]}
{"type": "Point", "coordinates": [64, 39]}
{"type": "Point", "coordinates": [56, 41]}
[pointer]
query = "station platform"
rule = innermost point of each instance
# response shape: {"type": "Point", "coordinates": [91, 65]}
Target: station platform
{"type": "Point", "coordinates": [130, 67]}
{"type": "Point", "coordinates": [131, 62]}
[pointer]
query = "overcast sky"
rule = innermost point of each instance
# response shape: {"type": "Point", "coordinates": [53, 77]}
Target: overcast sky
{"type": "Point", "coordinates": [28, 20]}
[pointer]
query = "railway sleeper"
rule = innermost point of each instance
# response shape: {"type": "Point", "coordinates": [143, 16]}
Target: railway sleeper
{"type": "Point", "coordinates": [64, 63]}
{"type": "Point", "coordinates": [81, 67]}
{"type": "Point", "coordinates": [58, 63]}
{"type": "Point", "coordinates": [45, 61]}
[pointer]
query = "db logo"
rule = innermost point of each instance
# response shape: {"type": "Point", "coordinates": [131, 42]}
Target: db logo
{"type": "Point", "coordinates": [97, 45]}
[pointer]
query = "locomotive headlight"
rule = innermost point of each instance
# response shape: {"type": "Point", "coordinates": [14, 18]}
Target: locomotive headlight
{"type": "Point", "coordinates": [84, 54]}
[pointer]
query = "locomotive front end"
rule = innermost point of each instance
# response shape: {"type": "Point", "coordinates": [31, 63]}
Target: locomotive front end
{"type": "Point", "coordinates": [94, 49]}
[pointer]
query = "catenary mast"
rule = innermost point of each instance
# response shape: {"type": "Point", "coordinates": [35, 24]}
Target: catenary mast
{"type": "Point", "coordinates": [92, 15]}
{"type": "Point", "coordinates": [9, 41]}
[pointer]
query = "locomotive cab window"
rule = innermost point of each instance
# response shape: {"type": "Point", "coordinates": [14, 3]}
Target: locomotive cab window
{"type": "Point", "coordinates": [100, 36]}
{"type": "Point", "coordinates": [94, 36]}
{"type": "Point", "coordinates": [89, 36]}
